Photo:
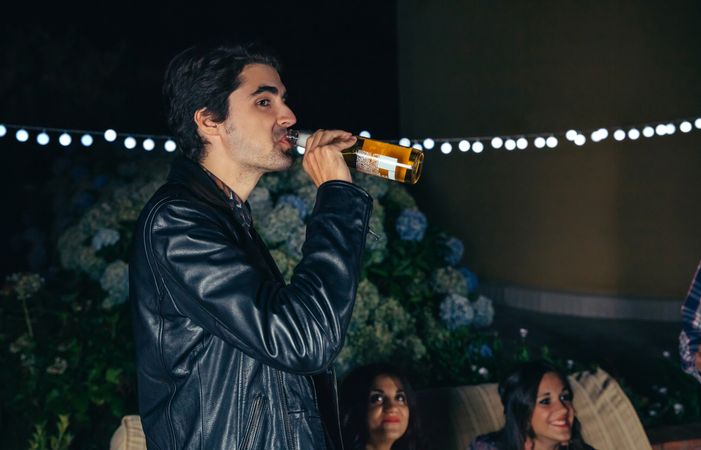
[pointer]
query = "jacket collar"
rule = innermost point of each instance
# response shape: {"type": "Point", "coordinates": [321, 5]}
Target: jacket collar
{"type": "Point", "coordinates": [188, 173]}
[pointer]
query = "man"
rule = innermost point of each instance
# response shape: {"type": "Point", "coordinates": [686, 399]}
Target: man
{"type": "Point", "coordinates": [228, 355]}
{"type": "Point", "coordinates": [690, 337]}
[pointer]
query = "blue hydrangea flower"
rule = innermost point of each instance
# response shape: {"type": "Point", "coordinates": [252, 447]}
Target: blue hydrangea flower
{"type": "Point", "coordinates": [296, 202]}
{"type": "Point", "coordinates": [486, 351]}
{"type": "Point", "coordinates": [470, 278]}
{"type": "Point", "coordinates": [456, 311]}
{"type": "Point", "coordinates": [411, 225]}
{"type": "Point", "coordinates": [454, 249]}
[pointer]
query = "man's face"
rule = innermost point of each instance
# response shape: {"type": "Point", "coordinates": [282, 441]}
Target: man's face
{"type": "Point", "coordinates": [256, 129]}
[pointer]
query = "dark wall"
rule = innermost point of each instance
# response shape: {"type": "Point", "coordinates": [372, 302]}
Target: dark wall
{"type": "Point", "coordinates": [91, 68]}
{"type": "Point", "coordinates": [619, 218]}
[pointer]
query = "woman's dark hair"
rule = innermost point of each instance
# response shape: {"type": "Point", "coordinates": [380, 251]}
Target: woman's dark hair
{"type": "Point", "coordinates": [203, 77]}
{"type": "Point", "coordinates": [518, 393]}
{"type": "Point", "coordinates": [354, 396]}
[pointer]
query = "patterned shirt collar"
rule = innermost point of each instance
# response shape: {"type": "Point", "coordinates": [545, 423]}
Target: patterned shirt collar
{"type": "Point", "coordinates": [236, 205]}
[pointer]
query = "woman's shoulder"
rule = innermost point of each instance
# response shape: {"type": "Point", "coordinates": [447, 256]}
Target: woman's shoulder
{"type": "Point", "coordinates": [485, 442]}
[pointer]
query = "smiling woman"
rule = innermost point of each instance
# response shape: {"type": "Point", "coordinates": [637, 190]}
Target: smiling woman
{"type": "Point", "coordinates": [537, 401]}
{"type": "Point", "coordinates": [378, 410]}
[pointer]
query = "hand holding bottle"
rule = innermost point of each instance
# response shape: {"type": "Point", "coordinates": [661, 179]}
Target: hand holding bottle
{"type": "Point", "coordinates": [381, 159]}
{"type": "Point", "coordinates": [323, 160]}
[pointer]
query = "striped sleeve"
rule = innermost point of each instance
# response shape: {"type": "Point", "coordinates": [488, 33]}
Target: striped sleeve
{"type": "Point", "coordinates": [690, 337]}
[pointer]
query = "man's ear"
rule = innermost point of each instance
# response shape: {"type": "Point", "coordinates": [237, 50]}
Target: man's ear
{"type": "Point", "coordinates": [205, 125]}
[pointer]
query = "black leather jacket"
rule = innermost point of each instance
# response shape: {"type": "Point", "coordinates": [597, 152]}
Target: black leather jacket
{"type": "Point", "coordinates": [225, 349]}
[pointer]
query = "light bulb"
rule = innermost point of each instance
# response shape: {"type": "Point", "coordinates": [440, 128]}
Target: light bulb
{"type": "Point", "coordinates": [539, 142]}
{"type": "Point", "coordinates": [65, 139]}
{"type": "Point", "coordinates": [580, 140]}
{"type": "Point", "coordinates": [661, 130]}
{"type": "Point", "coordinates": [3, 130]}
{"type": "Point", "coordinates": [648, 131]}
{"type": "Point", "coordinates": [522, 143]}
{"type": "Point", "coordinates": [365, 134]}
{"type": "Point", "coordinates": [446, 148]}
{"type": "Point", "coordinates": [110, 135]}
{"type": "Point", "coordinates": [697, 123]}
{"type": "Point", "coordinates": [404, 142]}
{"type": "Point", "coordinates": [685, 127]}
{"type": "Point", "coordinates": [570, 135]}
{"type": "Point", "coordinates": [619, 135]}
{"type": "Point", "coordinates": [510, 144]}
{"type": "Point", "coordinates": [86, 140]}
{"type": "Point", "coordinates": [428, 143]}
{"type": "Point", "coordinates": [633, 134]}
{"type": "Point", "coordinates": [464, 145]}
{"type": "Point", "coordinates": [130, 142]}
{"type": "Point", "coordinates": [477, 147]}
{"type": "Point", "coordinates": [551, 142]}
{"type": "Point", "coordinates": [497, 142]}
{"type": "Point", "coordinates": [417, 146]}
{"type": "Point", "coordinates": [170, 146]}
{"type": "Point", "coordinates": [22, 135]}
{"type": "Point", "coordinates": [671, 129]}
{"type": "Point", "coordinates": [148, 144]}
{"type": "Point", "coordinates": [42, 138]}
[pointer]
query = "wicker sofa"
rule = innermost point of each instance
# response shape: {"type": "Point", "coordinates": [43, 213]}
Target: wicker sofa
{"type": "Point", "coordinates": [451, 417]}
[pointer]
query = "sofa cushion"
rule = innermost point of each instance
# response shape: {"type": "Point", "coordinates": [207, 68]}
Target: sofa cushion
{"type": "Point", "coordinates": [129, 435]}
{"type": "Point", "coordinates": [452, 417]}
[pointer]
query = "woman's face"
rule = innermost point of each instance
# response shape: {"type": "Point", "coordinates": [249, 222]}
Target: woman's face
{"type": "Point", "coordinates": [388, 411]}
{"type": "Point", "coordinates": [553, 413]}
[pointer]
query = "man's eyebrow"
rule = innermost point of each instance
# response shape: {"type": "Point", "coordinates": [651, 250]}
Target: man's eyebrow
{"type": "Point", "coordinates": [265, 88]}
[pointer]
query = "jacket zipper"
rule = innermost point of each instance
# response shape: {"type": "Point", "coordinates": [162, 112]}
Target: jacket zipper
{"type": "Point", "coordinates": [250, 437]}
{"type": "Point", "coordinates": [285, 414]}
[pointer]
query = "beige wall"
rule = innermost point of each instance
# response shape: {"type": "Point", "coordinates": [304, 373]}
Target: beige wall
{"type": "Point", "coordinates": [612, 218]}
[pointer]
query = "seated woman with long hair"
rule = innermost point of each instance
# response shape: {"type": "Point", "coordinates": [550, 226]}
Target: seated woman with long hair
{"type": "Point", "coordinates": [378, 410]}
{"type": "Point", "coordinates": [537, 401]}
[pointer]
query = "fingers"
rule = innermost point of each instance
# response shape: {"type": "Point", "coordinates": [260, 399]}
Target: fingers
{"type": "Point", "coordinates": [323, 160]}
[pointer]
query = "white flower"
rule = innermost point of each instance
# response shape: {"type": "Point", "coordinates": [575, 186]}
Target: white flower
{"type": "Point", "coordinates": [115, 281]}
{"type": "Point", "coordinates": [523, 332]}
{"type": "Point", "coordinates": [483, 371]}
{"type": "Point", "coordinates": [663, 390]}
{"type": "Point", "coordinates": [652, 413]}
{"type": "Point", "coordinates": [570, 364]}
{"type": "Point", "coordinates": [666, 354]}
{"type": "Point", "coordinates": [58, 367]}
{"type": "Point", "coordinates": [104, 238]}
{"type": "Point", "coordinates": [678, 408]}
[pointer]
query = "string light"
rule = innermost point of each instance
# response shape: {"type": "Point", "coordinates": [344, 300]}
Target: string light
{"type": "Point", "coordinates": [44, 136]}
{"type": "Point", "coordinates": [86, 140]}
{"type": "Point", "coordinates": [65, 139]}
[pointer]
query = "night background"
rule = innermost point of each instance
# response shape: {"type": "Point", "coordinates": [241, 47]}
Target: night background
{"type": "Point", "coordinates": [590, 248]}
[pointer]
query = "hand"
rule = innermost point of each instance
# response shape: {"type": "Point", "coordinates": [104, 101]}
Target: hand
{"type": "Point", "coordinates": [322, 157]}
{"type": "Point", "coordinates": [697, 361]}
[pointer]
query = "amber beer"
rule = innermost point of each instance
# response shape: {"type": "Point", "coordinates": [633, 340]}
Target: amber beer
{"type": "Point", "coordinates": [381, 159]}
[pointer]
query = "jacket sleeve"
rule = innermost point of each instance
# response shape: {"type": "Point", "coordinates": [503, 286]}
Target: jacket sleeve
{"type": "Point", "coordinates": [297, 327]}
{"type": "Point", "coordinates": [690, 336]}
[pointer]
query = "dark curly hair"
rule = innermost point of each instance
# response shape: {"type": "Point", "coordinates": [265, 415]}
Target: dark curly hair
{"type": "Point", "coordinates": [204, 77]}
{"type": "Point", "coordinates": [518, 393]}
{"type": "Point", "coordinates": [353, 399]}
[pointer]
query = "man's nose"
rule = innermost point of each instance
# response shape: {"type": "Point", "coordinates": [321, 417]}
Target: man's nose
{"type": "Point", "coordinates": [286, 118]}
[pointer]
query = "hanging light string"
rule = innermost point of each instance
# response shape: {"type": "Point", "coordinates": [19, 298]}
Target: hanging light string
{"type": "Point", "coordinates": [476, 144]}
{"type": "Point", "coordinates": [65, 137]}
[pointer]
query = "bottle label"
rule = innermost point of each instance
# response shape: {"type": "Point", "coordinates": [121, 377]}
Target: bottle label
{"type": "Point", "coordinates": [374, 164]}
